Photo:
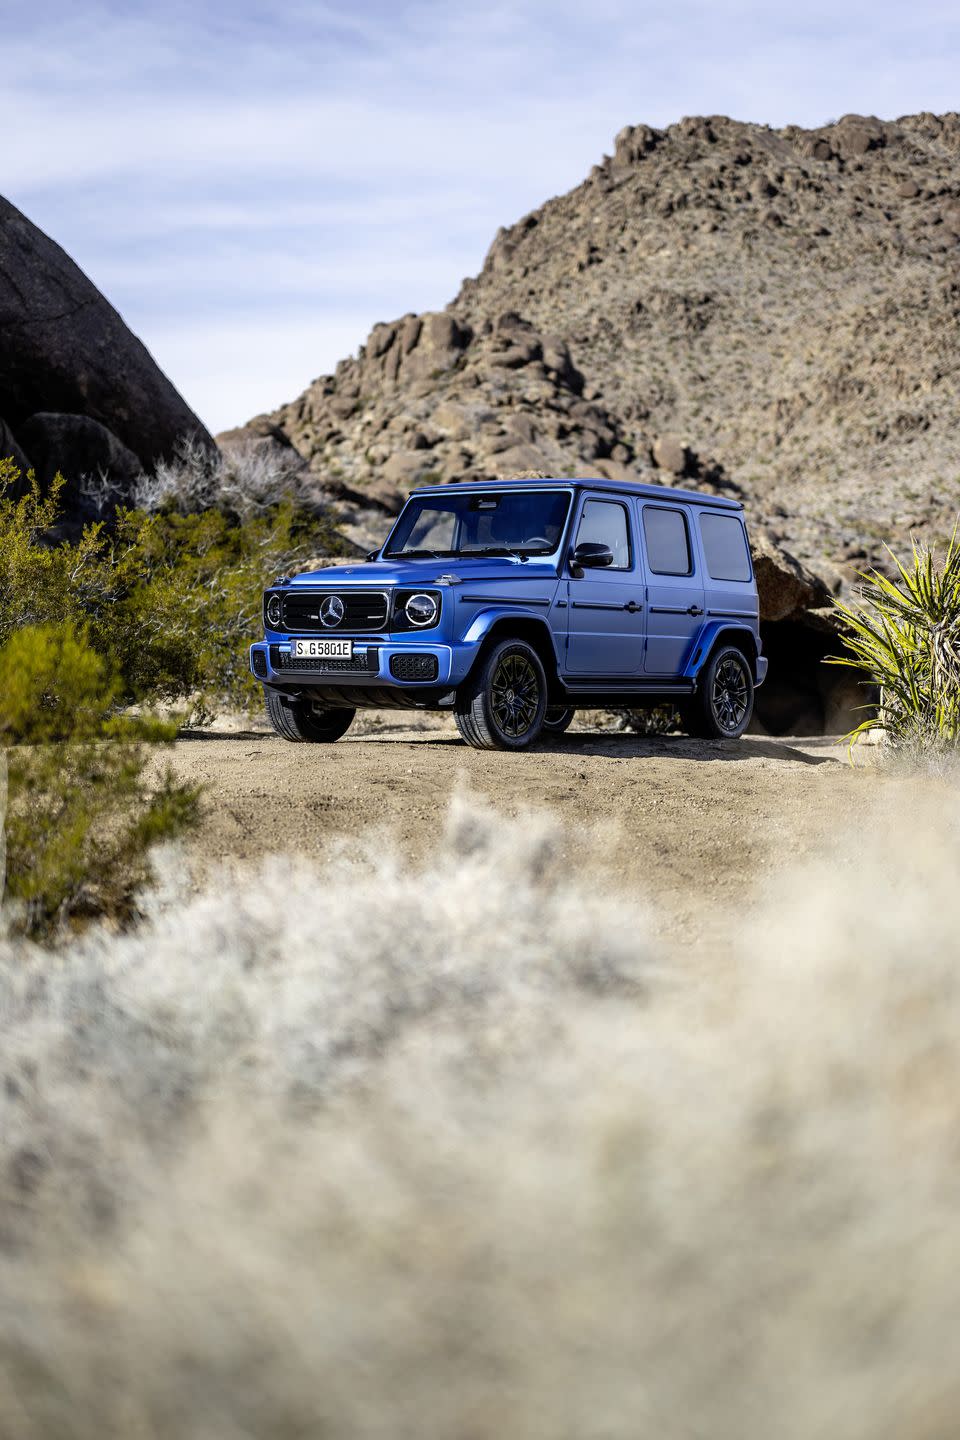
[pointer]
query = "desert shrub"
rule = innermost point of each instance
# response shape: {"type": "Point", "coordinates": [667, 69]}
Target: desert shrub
{"type": "Point", "coordinates": [185, 600]}
{"type": "Point", "coordinates": [171, 599]}
{"type": "Point", "coordinates": [380, 1152]}
{"type": "Point", "coordinates": [83, 808]}
{"type": "Point", "coordinates": [242, 481]}
{"type": "Point", "coordinates": [905, 632]}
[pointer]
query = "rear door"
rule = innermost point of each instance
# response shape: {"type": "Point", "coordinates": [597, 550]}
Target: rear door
{"type": "Point", "coordinates": [675, 601]}
{"type": "Point", "coordinates": [605, 615]}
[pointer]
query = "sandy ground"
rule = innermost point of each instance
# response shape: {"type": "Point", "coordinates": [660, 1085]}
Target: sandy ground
{"type": "Point", "coordinates": [695, 826]}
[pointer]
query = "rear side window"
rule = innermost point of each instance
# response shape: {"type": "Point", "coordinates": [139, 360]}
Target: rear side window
{"type": "Point", "coordinates": [605, 523]}
{"type": "Point", "coordinates": [668, 543]}
{"type": "Point", "coordinates": [725, 547]}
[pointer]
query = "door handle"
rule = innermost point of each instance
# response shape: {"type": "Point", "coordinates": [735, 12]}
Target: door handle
{"type": "Point", "coordinates": [632, 606]}
{"type": "Point", "coordinates": [694, 610]}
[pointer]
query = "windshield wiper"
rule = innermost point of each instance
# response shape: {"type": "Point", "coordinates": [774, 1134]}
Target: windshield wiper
{"type": "Point", "coordinates": [420, 554]}
{"type": "Point", "coordinates": [497, 550]}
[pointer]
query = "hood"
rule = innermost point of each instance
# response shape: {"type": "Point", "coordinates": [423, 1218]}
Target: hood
{"type": "Point", "coordinates": [375, 574]}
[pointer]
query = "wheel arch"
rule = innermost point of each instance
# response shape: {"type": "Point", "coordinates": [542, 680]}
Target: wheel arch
{"type": "Point", "coordinates": [520, 626]}
{"type": "Point", "coordinates": [722, 633]}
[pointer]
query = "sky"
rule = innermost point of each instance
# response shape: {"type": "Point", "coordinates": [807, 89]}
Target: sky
{"type": "Point", "coordinates": [254, 185]}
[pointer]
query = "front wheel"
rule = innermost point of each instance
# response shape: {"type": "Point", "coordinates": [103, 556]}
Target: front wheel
{"type": "Point", "coordinates": [723, 705]}
{"type": "Point", "coordinates": [304, 721]}
{"type": "Point", "coordinates": [502, 704]}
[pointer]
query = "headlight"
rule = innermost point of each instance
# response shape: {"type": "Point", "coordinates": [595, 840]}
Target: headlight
{"type": "Point", "coordinates": [275, 612]}
{"type": "Point", "coordinates": [421, 610]}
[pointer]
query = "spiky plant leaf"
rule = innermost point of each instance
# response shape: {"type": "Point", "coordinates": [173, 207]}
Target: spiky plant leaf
{"type": "Point", "coordinates": [905, 632]}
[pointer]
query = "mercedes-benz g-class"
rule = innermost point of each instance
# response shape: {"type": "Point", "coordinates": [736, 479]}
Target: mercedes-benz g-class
{"type": "Point", "coordinates": [515, 603]}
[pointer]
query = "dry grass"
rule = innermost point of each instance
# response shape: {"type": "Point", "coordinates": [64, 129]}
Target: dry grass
{"type": "Point", "coordinates": [372, 1153]}
{"type": "Point", "coordinates": [242, 480]}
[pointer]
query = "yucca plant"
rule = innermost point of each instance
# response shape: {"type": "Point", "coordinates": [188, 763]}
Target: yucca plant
{"type": "Point", "coordinates": [905, 632]}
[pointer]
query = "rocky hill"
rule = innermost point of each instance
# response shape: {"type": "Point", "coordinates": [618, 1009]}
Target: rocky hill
{"type": "Point", "coordinates": [775, 312]}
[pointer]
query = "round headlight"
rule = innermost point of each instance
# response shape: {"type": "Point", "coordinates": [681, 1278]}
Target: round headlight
{"type": "Point", "coordinates": [421, 609]}
{"type": "Point", "coordinates": [275, 612]}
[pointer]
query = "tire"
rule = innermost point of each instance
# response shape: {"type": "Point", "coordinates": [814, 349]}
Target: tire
{"type": "Point", "coordinates": [487, 717]}
{"type": "Point", "coordinates": [557, 718]}
{"type": "Point", "coordinates": [304, 722]}
{"type": "Point", "coordinates": [723, 705]}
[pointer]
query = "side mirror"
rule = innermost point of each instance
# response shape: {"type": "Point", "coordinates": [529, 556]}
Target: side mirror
{"type": "Point", "coordinates": [590, 556]}
{"type": "Point", "coordinates": [373, 555]}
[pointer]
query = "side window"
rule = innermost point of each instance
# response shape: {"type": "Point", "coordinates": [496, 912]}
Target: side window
{"type": "Point", "coordinates": [725, 547]}
{"type": "Point", "coordinates": [604, 522]}
{"type": "Point", "coordinates": [668, 544]}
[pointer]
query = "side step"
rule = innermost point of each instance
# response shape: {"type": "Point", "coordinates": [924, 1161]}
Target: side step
{"type": "Point", "coordinates": [589, 695]}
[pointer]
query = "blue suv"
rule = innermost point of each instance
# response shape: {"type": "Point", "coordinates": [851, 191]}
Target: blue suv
{"type": "Point", "coordinates": [515, 603]}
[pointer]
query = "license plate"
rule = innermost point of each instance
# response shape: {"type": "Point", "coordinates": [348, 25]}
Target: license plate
{"type": "Point", "coordinates": [323, 649]}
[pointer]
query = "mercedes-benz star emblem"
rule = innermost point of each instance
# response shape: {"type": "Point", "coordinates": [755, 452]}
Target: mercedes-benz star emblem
{"type": "Point", "coordinates": [331, 611]}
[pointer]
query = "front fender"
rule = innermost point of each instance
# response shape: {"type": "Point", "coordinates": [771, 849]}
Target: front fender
{"type": "Point", "coordinates": [484, 621]}
{"type": "Point", "coordinates": [709, 636]}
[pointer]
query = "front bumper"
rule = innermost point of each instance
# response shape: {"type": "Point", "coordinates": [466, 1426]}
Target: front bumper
{"type": "Point", "coordinates": [379, 663]}
{"type": "Point", "coordinates": [762, 664]}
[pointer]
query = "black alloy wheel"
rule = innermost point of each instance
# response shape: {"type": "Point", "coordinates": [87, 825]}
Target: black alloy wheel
{"type": "Point", "coordinates": [722, 707]}
{"type": "Point", "coordinates": [501, 705]}
{"type": "Point", "coordinates": [731, 694]}
{"type": "Point", "coordinates": [514, 694]}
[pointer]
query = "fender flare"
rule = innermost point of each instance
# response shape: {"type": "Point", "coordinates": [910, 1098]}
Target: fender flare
{"type": "Point", "coordinates": [708, 638]}
{"type": "Point", "coordinates": [485, 620]}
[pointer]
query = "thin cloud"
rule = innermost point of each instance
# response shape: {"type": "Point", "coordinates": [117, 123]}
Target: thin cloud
{"type": "Point", "coordinates": [358, 158]}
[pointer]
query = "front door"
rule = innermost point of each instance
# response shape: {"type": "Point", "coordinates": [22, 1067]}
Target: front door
{"type": "Point", "coordinates": [674, 588]}
{"type": "Point", "coordinates": [605, 615]}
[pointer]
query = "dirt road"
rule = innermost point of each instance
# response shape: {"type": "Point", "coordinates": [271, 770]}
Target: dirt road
{"type": "Point", "coordinates": [694, 825]}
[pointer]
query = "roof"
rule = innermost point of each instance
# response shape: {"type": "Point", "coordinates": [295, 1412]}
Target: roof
{"type": "Point", "coordinates": [617, 487]}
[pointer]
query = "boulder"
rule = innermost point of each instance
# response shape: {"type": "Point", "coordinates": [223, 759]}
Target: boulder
{"type": "Point", "coordinates": [515, 458]}
{"type": "Point", "coordinates": [786, 588]}
{"type": "Point", "coordinates": [556, 357]}
{"type": "Point", "coordinates": [633, 142]}
{"type": "Point", "coordinates": [262, 437]}
{"type": "Point", "coordinates": [671, 454]}
{"type": "Point", "coordinates": [423, 347]}
{"type": "Point", "coordinates": [377, 494]}
{"type": "Point", "coordinates": [514, 357]}
{"type": "Point", "coordinates": [403, 467]}
{"type": "Point", "coordinates": [78, 447]}
{"type": "Point", "coordinates": [814, 147]}
{"type": "Point", "coordinates": [67, 351]}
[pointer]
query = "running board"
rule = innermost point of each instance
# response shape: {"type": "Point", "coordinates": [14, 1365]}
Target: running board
{"type": "Point", "coordinates": [634, 689]}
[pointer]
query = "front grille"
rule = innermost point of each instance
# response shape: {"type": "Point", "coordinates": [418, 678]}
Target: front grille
{"type": "Point", "coordinates": [413, 667]}
{"type": "Point", "coordinates": [362, 610]}
{"type": "Point", "coordinates": [259, 664]}
{"type": "Point", "coordinates": [367, 664]}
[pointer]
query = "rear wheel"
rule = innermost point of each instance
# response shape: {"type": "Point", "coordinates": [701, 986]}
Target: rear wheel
{"type": "Point", "coordinates": [305, 720]}
{"type": "Point", "coordinates": [558, 718]}
{"type": "Point", "coordinates": [723, 705]}
{"type": "Point", "coordinates": [502, 704]}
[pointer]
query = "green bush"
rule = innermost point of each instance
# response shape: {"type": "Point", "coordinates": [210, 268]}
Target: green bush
{"type": "Point", "coordinates": [151, 609]}
{"type": "Point", "coordinates": [83, 806]}
{"type": "Point", "coordinates": [905, 633]}
{"type": "Point", "coordinates": [171, 600]}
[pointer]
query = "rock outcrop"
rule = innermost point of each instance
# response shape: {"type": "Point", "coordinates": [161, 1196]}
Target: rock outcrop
{"type": "Point", "coordinates": [75, 383]}
{"type": "Point", "coordinates": [75, 442]}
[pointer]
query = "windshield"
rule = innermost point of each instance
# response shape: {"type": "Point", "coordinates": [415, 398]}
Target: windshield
{"type": "Point", "coordinates": [517, 522]}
